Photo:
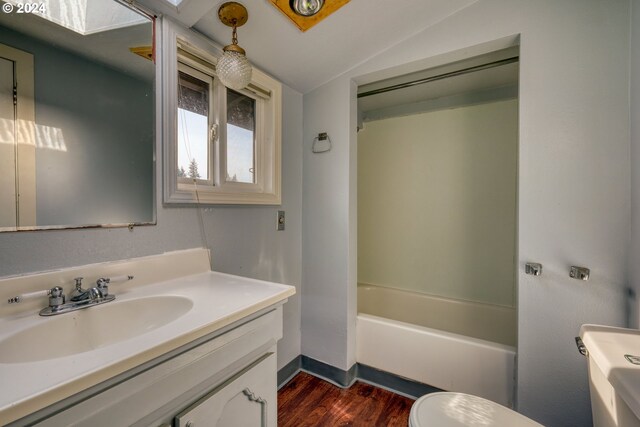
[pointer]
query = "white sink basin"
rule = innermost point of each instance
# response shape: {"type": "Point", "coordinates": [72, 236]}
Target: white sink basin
{"type": "Point", "coordinates": [94, 327]}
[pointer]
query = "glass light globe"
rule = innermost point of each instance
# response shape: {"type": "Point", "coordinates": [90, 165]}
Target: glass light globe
{"type": "Point", "coordinates": [234, 70]}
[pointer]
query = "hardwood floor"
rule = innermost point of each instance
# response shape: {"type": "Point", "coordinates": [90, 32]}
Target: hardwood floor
{"type": "Point", "coordinates": [307, 401]}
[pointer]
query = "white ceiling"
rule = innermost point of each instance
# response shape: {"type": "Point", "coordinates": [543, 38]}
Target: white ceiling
{"type": "Point", "coordinates": [357, 31]}
{"type": "Point", "coordinates": [354, 33]}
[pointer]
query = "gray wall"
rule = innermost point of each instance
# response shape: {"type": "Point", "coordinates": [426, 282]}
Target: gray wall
{"type": "Point", "coordinates": [437, 202]}
{"type": "Point", "coordinates": [243, 240]}
{"type": "Point", "coordinates": [574, 185]}
{"type": "Point", "coordinates": [328, 300]}
{"type": "Point", "coordinates": [104, 120]}
{"type": "Point", "coordinates": [634, 260]}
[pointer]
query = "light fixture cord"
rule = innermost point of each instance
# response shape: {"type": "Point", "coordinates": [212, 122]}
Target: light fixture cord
{"type": "Point", "coordinates": [234, 34]}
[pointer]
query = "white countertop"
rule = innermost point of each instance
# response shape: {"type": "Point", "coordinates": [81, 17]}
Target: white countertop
{"type": "Point", "coordinates": [608, 346]}
{"type": "Point", "coordinates": [218, 301]}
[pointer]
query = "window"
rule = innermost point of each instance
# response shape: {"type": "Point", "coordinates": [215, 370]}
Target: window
{"type": "Point", "coordinates": [194, 123]}
{"type": "Point", "coordinates": [241, 125]}
{"type": "Point", "coordinates": [224, 145]}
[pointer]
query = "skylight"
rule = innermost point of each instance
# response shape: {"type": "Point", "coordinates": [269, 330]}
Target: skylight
{"type": "Point", "coordinates": [86, 16]}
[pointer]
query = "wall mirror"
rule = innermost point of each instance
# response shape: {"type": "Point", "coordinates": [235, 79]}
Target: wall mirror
{"type": "Point", "coordinates": [77, 115]}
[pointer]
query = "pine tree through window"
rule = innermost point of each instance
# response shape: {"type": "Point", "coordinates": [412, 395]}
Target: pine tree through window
{"type": "Point", "coordinates": [194, 121]}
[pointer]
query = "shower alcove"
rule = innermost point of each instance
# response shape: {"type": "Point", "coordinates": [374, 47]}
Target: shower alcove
{"type": "Point", "coordinates": [437, 212]}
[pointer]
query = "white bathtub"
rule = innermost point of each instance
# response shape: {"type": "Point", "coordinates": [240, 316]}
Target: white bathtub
{"type": "Point", "coordinates": [450, 344]}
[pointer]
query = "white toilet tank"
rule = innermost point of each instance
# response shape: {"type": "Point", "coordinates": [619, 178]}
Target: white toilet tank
{"type": "Point", "coordinates": [614, 374]}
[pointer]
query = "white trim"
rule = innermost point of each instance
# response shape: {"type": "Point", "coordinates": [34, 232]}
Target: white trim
{"type": "Point", "coordinates": [211, 119]}
{"type": "Point", "coordinates": [187, 12]}
{"type": "Point", "coordinates": [266, 190]}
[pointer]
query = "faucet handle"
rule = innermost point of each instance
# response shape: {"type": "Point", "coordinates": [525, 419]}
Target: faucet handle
{"type": "Point", "coordinates": [103, 283]}
{"type": "Point", "coordinates": [55, 294]}
{"type": "Point", "coordinates": [116, 279]}
{"type": "Point", "coordinates": [103, 286]}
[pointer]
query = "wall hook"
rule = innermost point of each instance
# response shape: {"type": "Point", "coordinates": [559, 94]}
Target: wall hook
{"type": "Point", "coordinates": [580, 273]}
{"type": "Point", "coordinates": [533, 268]}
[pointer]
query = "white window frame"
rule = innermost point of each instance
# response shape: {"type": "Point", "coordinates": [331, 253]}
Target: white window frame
{"type": "Point", "coordinates": [201, 55]}
{"type": "Point", "coordinates": [194, 72]}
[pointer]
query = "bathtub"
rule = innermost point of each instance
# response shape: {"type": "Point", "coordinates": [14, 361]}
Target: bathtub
{"type": "Point", "coordinates": [450, 344]}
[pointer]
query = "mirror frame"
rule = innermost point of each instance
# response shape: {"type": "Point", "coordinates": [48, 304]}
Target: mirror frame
{"type": "Point", "coordinates": [157, 136]}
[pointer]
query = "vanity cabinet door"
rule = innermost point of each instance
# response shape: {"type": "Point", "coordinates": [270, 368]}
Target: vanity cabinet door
{"type": "Point", "coordinates": [249, 398]}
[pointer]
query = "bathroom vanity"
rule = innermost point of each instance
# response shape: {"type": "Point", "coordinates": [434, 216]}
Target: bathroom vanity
{"type": "Point", "coordinates": [180, 345]}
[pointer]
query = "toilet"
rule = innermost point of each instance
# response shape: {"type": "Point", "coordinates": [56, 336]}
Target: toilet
{"type": "Point", "coordinates": [614, 385]}
{"type": "Point", "coordinates": [614, 374]}
{"type": "Point", "coordinates": [449, 409]}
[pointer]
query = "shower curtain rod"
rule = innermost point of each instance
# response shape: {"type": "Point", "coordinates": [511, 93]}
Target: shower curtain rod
{"type": "Point", "coordinates": [440, 76]}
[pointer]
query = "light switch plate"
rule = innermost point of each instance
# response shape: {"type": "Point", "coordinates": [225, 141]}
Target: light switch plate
{"type": "Point", "coordinates": [280, 226]}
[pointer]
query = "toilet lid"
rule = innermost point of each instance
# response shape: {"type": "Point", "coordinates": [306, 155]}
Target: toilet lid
{"type": "Point", "coordinates": [463, 410]}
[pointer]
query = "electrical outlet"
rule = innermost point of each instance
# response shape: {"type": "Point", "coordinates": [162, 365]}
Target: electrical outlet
{"type": "Point", "coordinates": [280, 221]}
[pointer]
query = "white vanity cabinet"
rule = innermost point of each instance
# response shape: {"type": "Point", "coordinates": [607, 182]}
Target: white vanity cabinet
{"type": "Point", "coordinates": [179, 345]}
{"type": "Point", "coordinates": [226, 379]}
{"type": "Point", "coordinates": [243, 400]}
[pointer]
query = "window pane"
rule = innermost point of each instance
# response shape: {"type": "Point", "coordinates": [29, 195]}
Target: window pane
{"type": "Point", "coordinates": [240, 137]}
{"type": "Point", "coordinates": [193, 127]}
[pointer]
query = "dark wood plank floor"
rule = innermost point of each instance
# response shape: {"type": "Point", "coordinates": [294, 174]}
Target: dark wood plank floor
{"type": "Point", "coordinates": [307, 401]}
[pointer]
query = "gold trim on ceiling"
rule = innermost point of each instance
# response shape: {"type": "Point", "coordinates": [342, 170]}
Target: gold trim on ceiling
{"type": "Point", "coordinates": [145, 51]}
{"type": "Point", "coordinates": [306, 22]}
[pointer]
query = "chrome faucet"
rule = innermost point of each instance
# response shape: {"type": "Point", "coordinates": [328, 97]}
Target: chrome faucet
{"type": "Point", "coordinates": [79, 294]}
{"type": "Point", "coordinates": [79, 298]}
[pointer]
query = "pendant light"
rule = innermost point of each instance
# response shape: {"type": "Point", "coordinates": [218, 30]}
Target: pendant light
{"type": "Point", "coordinates": [233, 67]}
